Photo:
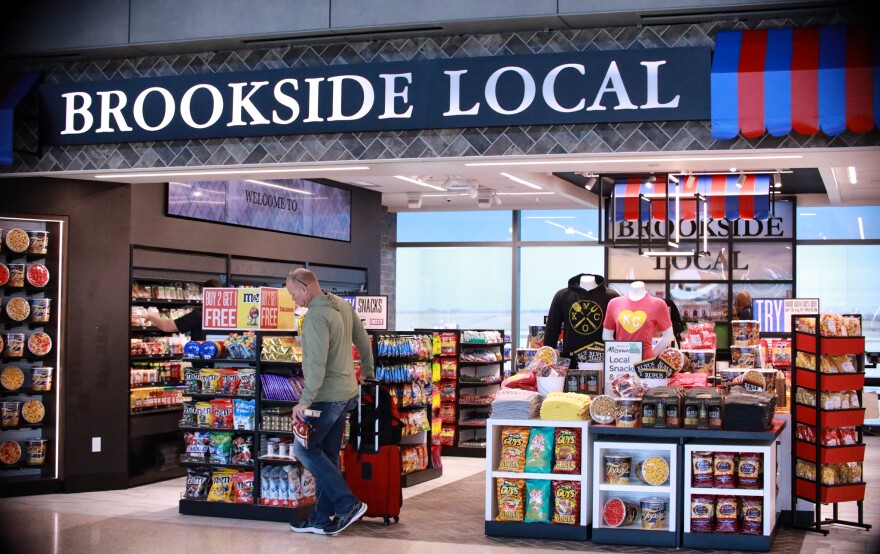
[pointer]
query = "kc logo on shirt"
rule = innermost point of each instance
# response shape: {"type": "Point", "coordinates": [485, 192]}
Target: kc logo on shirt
{"type": "Point", "coordinates": [632, 321]}
{"type": "Point", "coordinates": [585, 317]}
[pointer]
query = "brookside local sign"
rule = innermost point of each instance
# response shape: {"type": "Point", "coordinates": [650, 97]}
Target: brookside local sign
{"type": "Point", "coordinates": [661, 84]}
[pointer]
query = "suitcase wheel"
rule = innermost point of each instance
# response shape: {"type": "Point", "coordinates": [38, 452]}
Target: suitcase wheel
{"type": "Point", "coordinates": [387, 520]}
{"type": "Point", "coordinates": [396, 519]}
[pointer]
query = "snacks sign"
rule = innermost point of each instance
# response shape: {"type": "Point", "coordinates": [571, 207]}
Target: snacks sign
{"type": "Point", "coordinates": [620, 359]}
{"type": "Point", "coordinates": [373, 310]}
{"type": "Point", "coordinates": [248, 309]}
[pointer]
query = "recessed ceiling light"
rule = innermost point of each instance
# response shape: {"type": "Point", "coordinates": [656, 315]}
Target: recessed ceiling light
{"type": "Point", "coordinates": [851, 171]}
{"type": "Point", "coordinates": [417, 182]}
{"type": "Point", "coordinates": [634, 159]}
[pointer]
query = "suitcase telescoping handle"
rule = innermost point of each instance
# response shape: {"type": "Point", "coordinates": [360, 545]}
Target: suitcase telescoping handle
{"type": "Point", "coordinates": [360, 418]}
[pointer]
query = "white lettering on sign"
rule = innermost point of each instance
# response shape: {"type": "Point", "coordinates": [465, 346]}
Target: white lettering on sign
{"type": "Point", "coordinates": [220, 317]}
{"type": "Point", "coordinates": [391, 94]}
{"type": "Point", "coordinates": [241, 101]}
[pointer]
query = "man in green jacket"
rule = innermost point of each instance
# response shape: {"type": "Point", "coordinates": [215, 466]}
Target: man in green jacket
{"type": "Point", "coordinates": [328, 331]}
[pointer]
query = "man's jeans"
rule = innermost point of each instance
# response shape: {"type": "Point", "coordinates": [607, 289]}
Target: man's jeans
{"type": "Point", "coordinates": [321, 458]}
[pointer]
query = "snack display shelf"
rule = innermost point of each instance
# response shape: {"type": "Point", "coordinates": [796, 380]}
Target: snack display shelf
{"type": "Point", "coordinates": [611, 430]}
{"type": "Point", "coordinates": [200, 396]}
{"type": "Point", "coordinates": [209, 361]}
{"type": "Point", "coordinates": [25, 426]}
{"type": "Point", "coordinates": [473, 384]}
{"type": "Point", "coordinates": [22, 464]}
{"type": "Point", "coordinates": [191, 463]}
{"type": "Point", "coordinates": [24, 392]}
{"type": "Point", "coordinates": [464, 363]}
{"type": "Point", "coordinates": [282, 514]}
{"type": "Point", "coordinates": [634, 490]}
{"type": "Point", "coordinates": [474, 404]}
{"type": "Point", "coordinates": [829, 454]}
{"type": "Point", "coordinates": [240, 431]}
{"type": "Point", "coordinates": [279, 402]}
{"type": "Point", "coordinates": [414, 407]}
{"type": "Point", "coordinates": [28, 356]}
{"type": "Point", "coordinates": [12, 256]}
{"type": "Point", "coordinates": [487, 344]}
{"type": "Point", "coordinates": [166, 385]}
{"type": "Point", "coordinates": [833, 346]}
{"type": "Point", "coordinates": [472, 424]}
{"type": "Point", "coordinates": [853, 417]}
{"type": "Point", "coordinates": [536, 530]}
{"type": "Point", "coordinates": [161, 302]}
{"type": "Point", "coordinates": [277, 365]}
{"type": "Point", "coordinates": [39, 324]}
{"type": "Point", "coordinates": [828, 494]}
{"type": "Point", "coordinates": [164, 357]}
{"type": "Point", "coordinates": [831, 382]}
{"type": "Point", "coordinates": [420, 476]}
{"type": "Point", "coordinates": [155, 410]}
{"type": "Point", "coordinates": [767, 492]}
{"type": "Point", "coordinates": [278, 460]}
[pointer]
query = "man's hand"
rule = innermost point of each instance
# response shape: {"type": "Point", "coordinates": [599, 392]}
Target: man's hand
{"type": "Point", "coordinates": [298, 411]}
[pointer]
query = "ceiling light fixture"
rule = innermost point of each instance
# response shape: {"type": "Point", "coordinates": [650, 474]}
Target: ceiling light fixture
{"type": "Point", "coordinates": [649, 182]}
{"type": "Point", "coordinates": [777, 180]}
{"type": "Point", "coordinates": [851, 172]}
{"type": "Point", "coordinates": [417, 182]}
{"type": "Point", "coordinates": [689, 182]}
{"type": "Point", "coordinates": [536, 193]}
{"type": "Point", "coordinates": [636, 160]}
{"type": "Point", "coordinates": [672, 178]}
{"type": "Point", "coordinates": [237, 171]}
{"type": "Point", "coordinates": [521, 181]}
{"type": "Point", "coordinates": [591, 182]}
{"type": "Point", "coordinates": [473, 190]}
{"type": "Point", "coordinates": [667, 253]}
{"type": "Point", "coordinates": [496, 199]}
{"type": "Point", "coordinates": [277, 186]}
{"type": "Point", "coordinates": [740, 180]}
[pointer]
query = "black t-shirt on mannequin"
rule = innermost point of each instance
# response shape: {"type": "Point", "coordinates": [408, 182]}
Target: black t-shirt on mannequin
{"type": "Point", "coordinates": [579, 313]}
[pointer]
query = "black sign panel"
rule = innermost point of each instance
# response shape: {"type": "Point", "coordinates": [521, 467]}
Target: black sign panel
{"type": "Point", "coordinates": [662, 84]}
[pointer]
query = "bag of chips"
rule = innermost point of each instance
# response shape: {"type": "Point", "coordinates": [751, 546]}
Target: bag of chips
{"type": "Point", "coordinates": [220, 447]}
{"type": "Point", "coordinates": [514, 441]}
{"type": "Point", "coordinates": [538, 503]}
{"type": "Point", "coordinates": [242, 450]}
{"type": "Point", "coordinates": [197, 446]}
{"type": "Point", "coordinates": [243, 414]}
{"type": "Point", "coordinates": [511, 504]}
{"type": "Point", "coordinates": [221, 486]}
{"type": "Point", "coordinates": [724, 470]}
{"type": "Point", "coordinates": [210, 379]}
{"type": "Point", "coordinates": [197, 483]}
{"type": "Point", "coordinates": [566, 502]}
{"type": "Point", "coordinates": [243, 483]}
{"type": "Point", "coordinates": [229, 380]}
{"type": "Point", "coordinates": [539, 452]}
{"type": "Point", "coordinates": [204, 415]}
{"type": "Point", "coordinates": [752, 515]}
{"type": "Point", "coordinates": [567, 451]}
{"type": "Point", "coordinates": [727, 514]}
{"type": "Point", "coordinates": [221, 409]}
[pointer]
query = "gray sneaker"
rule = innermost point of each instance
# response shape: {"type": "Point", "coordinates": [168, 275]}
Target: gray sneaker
{"type": "Point", "coordinates": [343, 521]}
{"type": "Point", "coordinates": [305, 526]}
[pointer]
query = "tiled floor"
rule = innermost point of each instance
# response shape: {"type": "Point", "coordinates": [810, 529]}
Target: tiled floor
{"type": "Point", "coordinates": [439, 515]}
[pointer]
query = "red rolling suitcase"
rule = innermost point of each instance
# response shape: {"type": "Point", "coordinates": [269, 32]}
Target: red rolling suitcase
{"type": "Point", "coordinates": [375, 477]}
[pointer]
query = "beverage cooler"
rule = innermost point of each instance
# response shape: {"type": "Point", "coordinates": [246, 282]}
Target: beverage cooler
{"type": "Point", "coordinates": [32, 277]}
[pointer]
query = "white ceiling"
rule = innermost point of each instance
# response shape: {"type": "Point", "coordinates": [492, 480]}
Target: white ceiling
{"type": "Point", "coordinates": [454, 174]}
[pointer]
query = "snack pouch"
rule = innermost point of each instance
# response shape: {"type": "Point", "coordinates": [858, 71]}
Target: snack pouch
{"type": "Point", "coordinates": [537, 501]}
{"type": "Point", "coordinates": [243, 414]}
{"type": "Point", "coordinates": [191, 380]}
{"type": "Point", "coordinates": [243, 484]}
{"type": "Point", "coordinates": [210, 379]}
{"type": "Point", "coordinates": [242, 450]}
{"type": "Point", "coordinates": [246, 381]}
{"type": "Point", "coordinates": [283, 486]}
{"type": "Point", "coordinates": [514, 441]}
{"type": "Point", "coordinates": [189, 418]}
{"type": "Point", "coordinates": [566, 502]}
{"type": "Point", "coordinates": [308, 487]}
{"type": "Point", "coordinates": [294, 486]}
{"type": "Point", "coordinates": [567, 450]}
{"type": "Point", "coordinates": [204, 414]}
{"type": "Point", "coordinates": [539, 452]}
{"type": "Point", "coordinates": [220, 447]}
{"type": "Point", "coordinates": [511, 504]}
{"type": "Point", "coordinates": [221, 486]}
{"type": "Point", "coordinates": [197, 483]}
{"type": "Point", "coordinates": [265, 485]}
{"type": "Point", "coordinates": [221, 409]}
{"type": "Point", "coordinates": [197, 446]}
{"type": "Point", "coordinates": [229, 380]}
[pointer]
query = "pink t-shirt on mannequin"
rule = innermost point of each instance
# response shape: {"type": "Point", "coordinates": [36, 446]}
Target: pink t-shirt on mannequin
{"type": "Point", "coordinates": [636, 320]}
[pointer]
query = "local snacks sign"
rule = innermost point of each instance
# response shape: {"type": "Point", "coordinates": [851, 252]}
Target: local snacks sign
{"type": "Point", "coordinates": [661, 84]}
{"type": "Point", "coordinates": [620, 360]}
{"type": "Point", "coordinates": [295, 206]}
{"type": "Point", "coordinates": [262, 308]}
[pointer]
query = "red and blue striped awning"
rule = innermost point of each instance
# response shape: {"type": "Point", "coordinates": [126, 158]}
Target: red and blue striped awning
{"type": "Point", "coordinates": [13, 89]}
{"type": "Point", "coordinates": [804, 80]}
{"type": "Point", "coordinates": [725, 200]}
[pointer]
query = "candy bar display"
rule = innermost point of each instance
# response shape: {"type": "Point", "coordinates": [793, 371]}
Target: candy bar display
{"type": "Point", "coordinates": [281, 349]}
{"type": "Point", "coordinates": [279, 387]}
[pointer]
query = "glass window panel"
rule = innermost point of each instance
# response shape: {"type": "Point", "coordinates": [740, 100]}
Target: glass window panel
{"type": "Point", "coordinates": [833, 222]}
{"type": "Point", "coordinates": [625, 264]}
{"type": "Point", "coordinates": [762, 261]}
{"type": "Point", "coordinates": [454, 226]}
{"type": "Point", "coordinates": [544, 270]}
{"type": "Point", "coordinates": [463, 288]}
{"type": "Point", "coordinates": [559, 225]}
{"type": "Point", "coordinates": [698, 301]}
{"type": "Point", "coordinates": [844, 279]}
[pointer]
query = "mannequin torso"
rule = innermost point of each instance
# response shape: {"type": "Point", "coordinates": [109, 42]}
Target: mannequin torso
{"type": "Point", "coordinates": [588, 282]}
{"type": "Point", "coordinates": [637, 291]}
